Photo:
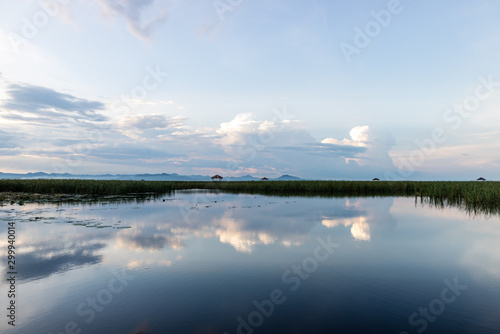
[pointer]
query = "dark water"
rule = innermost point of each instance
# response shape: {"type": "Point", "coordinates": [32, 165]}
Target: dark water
{"type": "Point", "coordinates": [220, 263]}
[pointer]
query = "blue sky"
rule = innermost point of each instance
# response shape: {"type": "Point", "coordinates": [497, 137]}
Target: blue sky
{"type": "Point", "coordinates": [317, 89]}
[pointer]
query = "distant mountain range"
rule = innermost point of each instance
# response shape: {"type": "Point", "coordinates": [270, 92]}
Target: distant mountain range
{"type": "Point", "coordinates": [146, 177]}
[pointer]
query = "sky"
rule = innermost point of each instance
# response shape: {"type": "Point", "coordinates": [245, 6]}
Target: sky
{"type": "Point", "coordinates": [316, 89]}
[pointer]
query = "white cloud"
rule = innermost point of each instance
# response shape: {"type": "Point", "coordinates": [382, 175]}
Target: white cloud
{"type": "Point", "coordinates": [154, 141]}
{"type": "Point", "coordinates": [359, 137]}
{"type": "Point", "coordinates": [360, 133]}
{"type": "Point", "coordinates": [243, 130]}
{"type": "Point", "coordinates": [377, 147]}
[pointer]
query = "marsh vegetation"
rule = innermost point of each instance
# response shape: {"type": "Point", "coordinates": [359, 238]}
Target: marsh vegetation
{"type": "Point", "coordinates": [473, 196]}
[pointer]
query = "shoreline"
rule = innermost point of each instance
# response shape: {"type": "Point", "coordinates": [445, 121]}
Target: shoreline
{"type": "Point", "coordinates": [468, 192]}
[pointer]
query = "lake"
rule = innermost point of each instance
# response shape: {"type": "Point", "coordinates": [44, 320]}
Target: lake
{"type": "Point", "coordinates": [202, 262]}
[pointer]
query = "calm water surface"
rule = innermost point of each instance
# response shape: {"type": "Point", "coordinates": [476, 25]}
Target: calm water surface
{"type": "Point", "coordinates": [221, 263]}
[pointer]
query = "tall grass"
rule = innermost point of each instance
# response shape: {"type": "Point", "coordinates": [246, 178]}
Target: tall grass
{"type": "Point", "coordinates": [90, 187]}
{"type": "Point", "coordinates": [468, 194]}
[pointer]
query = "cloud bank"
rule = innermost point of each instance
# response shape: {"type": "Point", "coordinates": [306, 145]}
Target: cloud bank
{"type": "Point", "coordinates": [54, 128]}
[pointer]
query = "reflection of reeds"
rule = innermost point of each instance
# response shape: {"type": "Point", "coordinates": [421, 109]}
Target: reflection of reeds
{"type": "Point", "coordinates": [473, 196]}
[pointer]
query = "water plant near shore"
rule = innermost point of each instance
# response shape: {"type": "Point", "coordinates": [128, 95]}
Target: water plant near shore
{"type": "Point", "coordinates": [484, 196]}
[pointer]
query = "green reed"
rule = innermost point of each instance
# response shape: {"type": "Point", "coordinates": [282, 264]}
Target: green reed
{"type": "Point", "coordinates": [484, 196]}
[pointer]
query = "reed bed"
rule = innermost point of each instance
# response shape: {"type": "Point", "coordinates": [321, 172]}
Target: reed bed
{"type": "Point", "coordinates": [471, 195]}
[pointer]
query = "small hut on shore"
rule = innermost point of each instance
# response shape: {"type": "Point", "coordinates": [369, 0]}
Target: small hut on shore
{"type": "Point", "coordinates": [376, 179]}
{"type": "Point", "coordinates": [481, 179]}
{"type": "Point", "coordinates": [216, 177]}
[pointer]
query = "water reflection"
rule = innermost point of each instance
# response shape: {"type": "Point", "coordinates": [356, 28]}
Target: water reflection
{"type": "Point", "coordinates": [364, 217]}
{"type": "Point", "coordinates": [40, 260]}
{"type": "Point", "coordinates": [138, 240]}
{"type": "Point", "coordinates": [360, 229]}
{"type": "Point", "coordinates": [199, 262]}
{"type": "Point", "coordinates": [248, 221]}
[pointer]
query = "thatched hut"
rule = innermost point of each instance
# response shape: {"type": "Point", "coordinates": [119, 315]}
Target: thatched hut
{"type": "Point", "coordinates": [216, 177]}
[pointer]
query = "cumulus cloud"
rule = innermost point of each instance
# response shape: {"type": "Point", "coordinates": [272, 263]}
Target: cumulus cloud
{"type": "Point", "coordinates": [158, 142]}
{"type": "Point", "coordinates": [243, 128]}
{"type": "Point", "coordinates": [360, 136]}
{"type": "Point", "coordinates": [284, 144]}
{"type": "Point", "coordinates": [134, 12]}
{"type": "Point", "coordinates": [246, 145]}
{"type": "Point", "coordinates": [376, 144]}
{"type": "Point", "coordinates": [244, 136]}
{"type": "Point", "coordinates": [360, 133]}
